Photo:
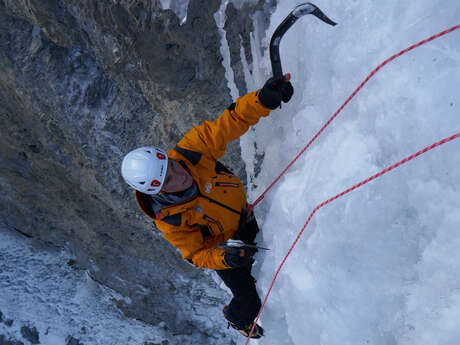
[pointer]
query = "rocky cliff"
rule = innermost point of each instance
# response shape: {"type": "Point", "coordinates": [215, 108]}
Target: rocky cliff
{"type": "Point", "coordinates": [82, 83]}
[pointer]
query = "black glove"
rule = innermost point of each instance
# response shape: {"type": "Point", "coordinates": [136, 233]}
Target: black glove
{"type": "Point", "coordinates": [247, 229]}
{"type": "Point", "coordinates": [275, 91]}
{"type": "Point", "coordinates": [238, 256]}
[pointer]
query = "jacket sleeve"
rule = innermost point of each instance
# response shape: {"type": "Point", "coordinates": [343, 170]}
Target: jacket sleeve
{"type": "Point", "coordinates": [191, 245]}
{"type": "Point", "coordinates": [211, 137]}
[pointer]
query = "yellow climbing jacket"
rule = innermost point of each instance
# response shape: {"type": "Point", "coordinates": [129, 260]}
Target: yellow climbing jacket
{"type": "Point", "coordinates": [199, 224]}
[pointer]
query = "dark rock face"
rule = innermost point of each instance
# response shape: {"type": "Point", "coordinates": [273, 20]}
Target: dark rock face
{"type": "Point", "coordinates": [82, 83]}
{"type": "Point", "coordinates": [30, 334]}
{"type": "Point", "coordinates": [238, 35]}
{"type": "Point", "coordinates": [4, 341]}
{"type": "Point", "coordinates": [73, 341]}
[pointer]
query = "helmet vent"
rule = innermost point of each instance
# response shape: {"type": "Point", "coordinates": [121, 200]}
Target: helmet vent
{"type": "Point", "coordinates": [143, 182]}
{"type": "Point", "coordinates": [149, 151]}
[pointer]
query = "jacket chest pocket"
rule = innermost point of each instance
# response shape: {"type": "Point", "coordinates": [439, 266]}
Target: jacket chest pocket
{"type": "Point", "coordinates": [227, 185]}
{"type": "Point", "coordinates": [214, 226]}
{"type": "Point", "coordinates": [210, 227]}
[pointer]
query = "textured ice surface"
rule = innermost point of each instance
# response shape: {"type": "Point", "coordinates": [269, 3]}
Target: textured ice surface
{"type": "Point", "coordinates": [380, 265]}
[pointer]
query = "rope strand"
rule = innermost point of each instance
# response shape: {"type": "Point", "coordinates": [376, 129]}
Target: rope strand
{"type": "Point", "coordinates": [402, 52]}
{"type": "Point", "coordinates": [324, 203]}
{"type": "Point", "coordinates": [373, 177]}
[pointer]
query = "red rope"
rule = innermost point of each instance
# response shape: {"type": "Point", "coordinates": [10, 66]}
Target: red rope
{"type": "Point", "coordinates": [455, 136]}
{"type": "Point", "coordinates": [442, 33]}
{"type": "Point", "coordinates": [356, 186]}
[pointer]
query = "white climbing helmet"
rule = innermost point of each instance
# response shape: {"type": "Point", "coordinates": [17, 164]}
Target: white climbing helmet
{"type": "Point", "coordinates": [144, 169]}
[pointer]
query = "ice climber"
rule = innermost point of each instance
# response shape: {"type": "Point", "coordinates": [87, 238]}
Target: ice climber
{"type": "Point", "coordinates": [197, 202]}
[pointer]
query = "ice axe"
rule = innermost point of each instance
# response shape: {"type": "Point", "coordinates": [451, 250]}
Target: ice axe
{"type": "Point", "coordinates": [238, 244]}
{"type": "Point", "coordinates": [296, 13]}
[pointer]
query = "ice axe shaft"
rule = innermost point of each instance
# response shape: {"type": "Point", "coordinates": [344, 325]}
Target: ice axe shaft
{"type": "Point", "coordinates": [296, 13]}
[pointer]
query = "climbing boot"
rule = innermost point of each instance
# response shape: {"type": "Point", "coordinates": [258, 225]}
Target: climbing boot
{"type": "Point", "coordinates": [256, 334]}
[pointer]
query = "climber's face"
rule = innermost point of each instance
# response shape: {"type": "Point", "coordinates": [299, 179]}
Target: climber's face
{"type": "Point", "coordinates": [177, 178]}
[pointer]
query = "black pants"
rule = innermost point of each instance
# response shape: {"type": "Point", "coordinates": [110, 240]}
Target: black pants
{"type": "Point", "coordinates": [245, 303]}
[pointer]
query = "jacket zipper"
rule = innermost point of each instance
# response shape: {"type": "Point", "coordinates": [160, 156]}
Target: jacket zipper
{"type": "Point", "coordinates": [219, 203]}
